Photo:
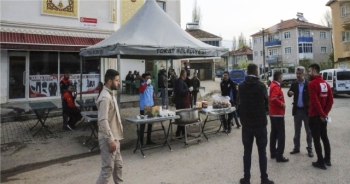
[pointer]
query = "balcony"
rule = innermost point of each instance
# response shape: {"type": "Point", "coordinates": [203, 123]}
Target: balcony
{"type": "Point", "coordinates": [305, 39]}
{"type": "Point", "coordinates": [273, 59]}
{"type": "Point", "coordinates": [346, 21]}
{"type": "Point", "coordinates": [273, 43]}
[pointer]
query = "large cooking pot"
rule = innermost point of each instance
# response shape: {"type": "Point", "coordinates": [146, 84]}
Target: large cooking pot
{"type": "Point", "coordinates": [187, 116]}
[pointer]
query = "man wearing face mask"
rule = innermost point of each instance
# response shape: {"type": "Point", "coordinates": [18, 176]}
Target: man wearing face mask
{"type": "Point", "coordinates": [321, 101]}
{"type": "Point", "coordinates": [147, 97]}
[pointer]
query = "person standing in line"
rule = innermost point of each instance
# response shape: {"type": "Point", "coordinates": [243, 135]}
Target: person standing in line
{"type": "Point", "coordinates": [147, 97]}
{"type": "Point", "coordinates": [229, 88]}
{"type": "Point", "coordinates": [195, 83]}
{"type": "Point", "coordinates": [162, 79]}
{"type": "Point", "coordinates": [110, 130]}
{"type": "Point", "coordinates": [277, 108]}
{"type": "Point", "coordinates": [182, 98]}
{"type": "Point", "coordinates": [299, 91]}
{"type": "Point", "coordinates": [321, 102]}
{"type": "Point", "coordinates": [253, 105]}
{"type": "Point", "coordinates": [188, 83]}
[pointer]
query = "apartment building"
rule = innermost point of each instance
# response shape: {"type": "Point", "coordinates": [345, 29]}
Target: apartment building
{"type": "Point", "coordinates": [341, 32]}
{"type": "Point", "coordinates": [243, 54]}
{"type": "Point", "coordinates": [290, 42]}
{"type": "Point", "coordinates": [38, 44]}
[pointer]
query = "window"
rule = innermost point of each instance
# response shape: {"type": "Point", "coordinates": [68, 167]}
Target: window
{"type": "Point", "coordinates": [273, 52]}
{"type": "Point", "coordinates": [255, 40]}
{"type": "Point", "coordinates": [288, 50]}
{"type": "Point", "coordinates": [345, 36]}
{"type": "Point", "coordinates": [305, 47]}
{"type": "Point", "coordinates": [343, 11]}
{"type": "Point", "coordinates": [261, 39]}
{"type": "Point", "coordinates": [261, 53]}
{"type": "Point", "coordinates": [162, 4]}
{"type": "Point", "coordinates": [43, 63]}
{"type": "Point", "coordinates": [303, 33]}
{"type": "Point", "coordinates": [324, 76]}
{"type": "Point", "coordinates": [343, 75]}
{"type": "Point", "coordinates": [306, 33]}
{"type": "Point", "coordinates": [213, 43]}
{"type": "Point", "coordinates": [255, 53]}
{"type": "Point", "coordinates": [286, 35]}
{"type": "Point", "coordinates": [329, 77]}
{"type": "Point", "coordinates": [273, 38]}
{"type": "Point", "coordinates": [323, 34]}
{"type": "Point", "coordinates": [323, 49]}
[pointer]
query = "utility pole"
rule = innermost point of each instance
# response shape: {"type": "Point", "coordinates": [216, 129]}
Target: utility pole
{"type": "Point", "coordinates": [263, 39]}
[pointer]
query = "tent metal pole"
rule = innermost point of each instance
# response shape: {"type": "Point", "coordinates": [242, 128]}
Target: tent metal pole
{"type": "Point", "coordinates": [120, 85]}
{"type": "Point", "coordinates": [81, 78]}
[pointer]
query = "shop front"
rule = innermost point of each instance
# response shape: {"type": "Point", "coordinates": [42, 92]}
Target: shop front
{"type": "Point", "coordinates": [36, 74]}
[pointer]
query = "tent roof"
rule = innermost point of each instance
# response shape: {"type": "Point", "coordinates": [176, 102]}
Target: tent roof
{"type": "Point", "coordinates": [151, 33]}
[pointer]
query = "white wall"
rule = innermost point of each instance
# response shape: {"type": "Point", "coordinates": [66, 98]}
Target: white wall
{"type": "Point", "coordinates": [92, 9]}
{"type": "Point", "coordinates": [173, 9]}
{"type": "Point", "coordinates": [131, 65]}
{"type": "Point", "coordinates": [4, 76]}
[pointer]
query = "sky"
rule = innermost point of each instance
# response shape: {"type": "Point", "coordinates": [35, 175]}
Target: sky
{"type": "Point", "coordinates": [228, 18]}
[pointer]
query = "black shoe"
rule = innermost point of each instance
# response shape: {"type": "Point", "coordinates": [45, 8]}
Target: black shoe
{"type": "Point", "coordinates": [150, 142]}
{"type": "Point", "coordinates": [310, 154]}
{"type": "Point", "coordinates": [267, 181]}
{"type": "Point", "coordinates": [327, 162]}
{"type": "Point", "coordinates": [283, 159]}
{"type": "Point", "coordinates": [238, 126]}
{"type": "Point", "coordinates": [224, 130]}
{"type": "Point", "coordinates": [65, 127]}
{"type": "Point", "coordinates": [319, 165]}
{"type": "Point", "coordinates": [273, 156]}
{"type": "Point", "coordinates": [244, 181]}
{"type": "Point", "coordinates": [229, 131]}
{"type": "Point", "coordinates": [294, 151]}
{"type": "Point", "coordinates": [70, 127]}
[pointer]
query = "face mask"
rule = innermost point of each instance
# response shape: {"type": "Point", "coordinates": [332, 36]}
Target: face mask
{"type": "Point", "coordinates": [149, 81]}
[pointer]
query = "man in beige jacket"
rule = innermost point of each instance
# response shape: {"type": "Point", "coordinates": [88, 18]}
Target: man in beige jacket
{"type": "Point", "coordinates": [110, 130]}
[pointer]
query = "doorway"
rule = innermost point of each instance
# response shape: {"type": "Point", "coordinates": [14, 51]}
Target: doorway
{"type": "Point", "coordinates": [17, 77]}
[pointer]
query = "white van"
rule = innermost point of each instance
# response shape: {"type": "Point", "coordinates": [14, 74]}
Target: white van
{"type": "Point", "coordinates": [338, 79]}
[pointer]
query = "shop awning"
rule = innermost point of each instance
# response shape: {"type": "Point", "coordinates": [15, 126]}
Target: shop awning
{"type": "Point", "coordinates": [26, 41]}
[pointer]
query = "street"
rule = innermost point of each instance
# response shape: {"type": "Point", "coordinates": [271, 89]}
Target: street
{"type": "Point", "coordinates": [218, 160]}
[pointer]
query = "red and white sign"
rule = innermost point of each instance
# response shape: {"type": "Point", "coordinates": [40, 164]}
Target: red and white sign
{"type": "Point", "coordinates": [88, 22]}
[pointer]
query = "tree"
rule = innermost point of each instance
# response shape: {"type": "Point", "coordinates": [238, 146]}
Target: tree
{"type": "Point", "coordinates": [242, 41]}
{"type": "Point", "coordinates": [196, 14]}
{"type": "Point", "coordinates": [327, 19]}
{"type": "Point", "coordinates": [243, 64]}
{"type": "Point", "coordinates": [234, 43]}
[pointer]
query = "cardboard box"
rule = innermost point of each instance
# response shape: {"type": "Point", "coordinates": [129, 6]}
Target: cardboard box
{"type": "Point", "coordinates": [152, 111]}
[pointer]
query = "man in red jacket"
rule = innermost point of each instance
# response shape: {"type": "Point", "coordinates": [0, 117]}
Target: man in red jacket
{"type": "Point", "coordinates": [321, 101]}
{"type": "Point", "coordinates": [276, 112]}
{"type": "Point", "coordinates": [69, 108]}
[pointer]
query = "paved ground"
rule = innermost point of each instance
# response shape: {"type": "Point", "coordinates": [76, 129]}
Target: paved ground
{"type": "Point", "coordinates": [62, 158]}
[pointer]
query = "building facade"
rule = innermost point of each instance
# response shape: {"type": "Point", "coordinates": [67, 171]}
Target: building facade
{"type": "Point", "coordinates": [243, 54]}
{"type": "Point", "coordinates": [290, 42]}
{"type": "Point", "coordinates": [40, 43]}
{"type": "Point", "coordinates": [204, 66]}
{"type": "Point", "coordinates": [341, 32]}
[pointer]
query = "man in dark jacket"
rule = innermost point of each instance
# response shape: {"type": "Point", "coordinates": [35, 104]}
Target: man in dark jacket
{"type": "Point", "coordinates": [182, 97]}
{"type": "Point", "coordinates": [162, 79]}
{"type": "Point", "coordinates": [64, 82]}
{"type": "Point", "coordinates": [195, 83]}
{"type": "Point", "coordinates": [253, 106]}
{"type": "Point", "coordinates": [299, 89]}
{"type": "Point", "coordinates": [229, 88]}
{"type": "Point", "coordinates": [321, 101]}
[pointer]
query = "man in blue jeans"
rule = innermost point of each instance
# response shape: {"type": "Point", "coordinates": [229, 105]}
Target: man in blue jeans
{"type": "Point", "coordinates": [253, 105]}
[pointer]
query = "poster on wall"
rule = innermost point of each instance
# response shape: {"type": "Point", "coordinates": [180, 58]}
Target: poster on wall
{"type": "Point", "coordinates": [43, 86]}
{"type": "Point", "coordinates": [48, 85]}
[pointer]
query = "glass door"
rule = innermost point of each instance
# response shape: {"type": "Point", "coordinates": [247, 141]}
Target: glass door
{"type": "Point", "coordinates": [17, 77]}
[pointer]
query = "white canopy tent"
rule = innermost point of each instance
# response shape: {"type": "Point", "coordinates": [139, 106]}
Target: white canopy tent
{"type": "Point", "coordinates": [151, 34]}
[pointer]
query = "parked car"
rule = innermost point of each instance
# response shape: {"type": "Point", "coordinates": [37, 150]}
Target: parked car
{"type": "Point", "coordinates": [338, 79]}
{"type": "Point", "coordinates": [265, 75]}
{"type": "Point", "coordinates": [219, 73]}
{"type": "Point", "coordinates": [237, 75]}
{"type": "Point", "coordinates": [287, 76]}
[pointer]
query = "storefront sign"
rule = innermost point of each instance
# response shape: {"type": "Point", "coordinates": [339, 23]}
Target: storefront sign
{"type": "Point", "coordinates": [88, 22]}
{"type": "Point", "coordinates": [48, 85]}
